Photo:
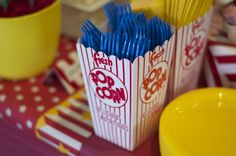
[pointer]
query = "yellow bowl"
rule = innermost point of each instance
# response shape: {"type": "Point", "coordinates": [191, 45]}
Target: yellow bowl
{"type": "Point", "coordinates": [28, 43]}
{"type": "Point", "coordinates": [200, 123]}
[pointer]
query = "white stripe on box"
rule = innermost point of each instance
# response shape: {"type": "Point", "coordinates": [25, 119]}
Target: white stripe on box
{"type": "Point", "coordinates": [73, 127]}
{"type": "Point", "coordinates": [61, 137]}
{"type": "Point", "coordinates": [229, 68]}
{"type": "Point", "coordinates": [75, 115]}
{"type": "Point", "coordinates": [79, 105]}
{"type": "Point", "coordinates": [221, 50]}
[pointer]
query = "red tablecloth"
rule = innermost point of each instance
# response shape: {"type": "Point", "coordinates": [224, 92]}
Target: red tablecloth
{"type": "Point", "coordinates": [14, 142]}
{"type": "Point", "coordinates": [99, 147]}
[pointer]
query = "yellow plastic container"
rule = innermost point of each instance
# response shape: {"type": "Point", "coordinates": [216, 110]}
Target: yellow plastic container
{"type": "Point", "coordinates": [149, 7]}
{"type": "Point", "coordinates": [28, 44]}
{"type": "Point", "coordinates": [200, 123]}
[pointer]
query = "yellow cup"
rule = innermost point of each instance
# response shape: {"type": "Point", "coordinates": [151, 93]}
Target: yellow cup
{"type": "Point", "coordinates": [200, 123]}
{"type": "Point", "coordinates": [28, 44]}
{"type": "Point", "coordinates": [149, 7]}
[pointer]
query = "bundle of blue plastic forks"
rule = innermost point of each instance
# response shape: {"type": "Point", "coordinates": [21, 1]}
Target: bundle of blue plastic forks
{"type": "Point", "coordinates": [130, 34]}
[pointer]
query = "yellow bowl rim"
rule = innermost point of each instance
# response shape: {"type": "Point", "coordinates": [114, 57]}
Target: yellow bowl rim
{"type": "Point", "coordinates": [175, 102]}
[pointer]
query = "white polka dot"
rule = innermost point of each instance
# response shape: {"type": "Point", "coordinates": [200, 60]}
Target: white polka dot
{"type": "Point", "coordinates": [22, 109]}
{"type": "Point", "coordinates": [29, 124]}
{"type": "Point", "coordinates": [19, 126]}
{"type": "Point", "coordinates": [3, 98]}
{"type": "Point", "coordinates": [19, 97]}
{"type": "Point", "coordinates": [34, 89]}
{"type": "Point", "coordinates": [52, 89]}
{"type": "Point", "coordinates": [17, 88]}
{"type": "Point", "coordinates": [37, 98]}
{"type": "Point", "coordinates": [32, 80]}
{"type": "Point", "coordinates": [40, 108]}
{"type": "Point", "coordinates": [1, 116]}
{"type": "Point", "coordinates": [1, 87]}
{"type": "Point", "coordinates": [55, 99]}
{"type": "Point", "coordinates": [8, 112]}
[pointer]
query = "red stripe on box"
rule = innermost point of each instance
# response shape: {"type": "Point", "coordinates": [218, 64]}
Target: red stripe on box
{"type": "Point", "coordinates": [64, 130]}
{"type": "Point", "coordinates": [231, 77]}
{"type": "Point", "coordinates": [56, 141]}
{"type": "Point", "coordinates": [72, 120]}
{"type": "Point", "coordinates": [226, 59]}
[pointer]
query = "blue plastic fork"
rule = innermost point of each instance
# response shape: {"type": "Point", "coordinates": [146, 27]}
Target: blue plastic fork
{"type": "Point", "coordinates": [93, 32]}
{"type": "Point", "coordinates": [132, 35]}
{"type": "Point", "coordinates": [111, 13]}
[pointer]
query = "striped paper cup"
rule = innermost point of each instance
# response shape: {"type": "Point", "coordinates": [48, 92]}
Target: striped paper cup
{"type": "Point", "coordinates": [220, 65]}
{"type": "Point", "coordinates": [126, 98]}
{"type": "Point", "coordinates": [187, 60]}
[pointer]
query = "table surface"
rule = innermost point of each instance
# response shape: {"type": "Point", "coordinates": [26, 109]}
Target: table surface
{"type": "Point", "coordinates": [24, 144]}
{"type": "Point", "coordinates": [99, 147]}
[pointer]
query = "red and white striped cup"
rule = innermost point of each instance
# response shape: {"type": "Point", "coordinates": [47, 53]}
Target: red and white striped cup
{"type": "Point", "coordinates": [126, 98]}
{"type": "Point", "coordinates": [187, 60]}
{"type": "Point", "coordinates": [220, 65]}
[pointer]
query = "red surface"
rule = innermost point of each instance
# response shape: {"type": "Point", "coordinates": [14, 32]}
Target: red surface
{"type": "Point", "coordinates": [95, 146]}
{"type": "Point", "coordinates": [14, 142]}
{"type": "Point", "coordinates": [22, 7]}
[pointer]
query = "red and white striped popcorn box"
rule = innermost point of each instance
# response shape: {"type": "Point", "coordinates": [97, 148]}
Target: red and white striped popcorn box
{"type": "Point", "coordinates": [187, 60]}
{"type": "Point", "coordinates": [126, 98]}
{"type": "Point", "coordinates": [220, 65]}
